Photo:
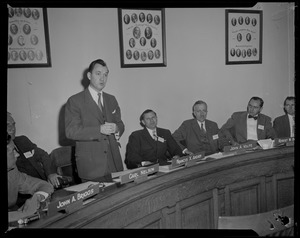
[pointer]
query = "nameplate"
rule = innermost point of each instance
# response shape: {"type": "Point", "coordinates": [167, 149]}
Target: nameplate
{"type": "Point", "coordinates": [131, 176]}
{"type": "Point", "coordinates": [74, 200]}
{"type": "Point", "coordinates": [288, 141]}
{"type": "Point", "coordinates": [187, 159]}
{"type": "Point", "coordinates": [242, 147]}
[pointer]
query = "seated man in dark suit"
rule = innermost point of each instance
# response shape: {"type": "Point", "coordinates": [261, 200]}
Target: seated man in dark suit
{"type": "Point", "coordinates": [285, 125]}
{"type": "Point", "coordinates": [32, 160]}
{"type": "Point", "coordinates": [198, 134]}
{"type": "Point", "coordinates": [151, 144]}
{"type": "Point", "coordinates": [250, 125]}
{"type": "Point", "coordinates": [18, 182]}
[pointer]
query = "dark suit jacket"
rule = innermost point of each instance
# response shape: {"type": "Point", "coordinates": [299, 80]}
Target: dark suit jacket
{"type": "Point", "coordinates": [142, 147]}
{"type": "Point", "coordinates": [190, 136]}
{"type": "Point", "coordinates": [281, 126]}
{"type": "Point", "coordinates": [42, 164]}
{"type": "Point", "coordinates": [82, 123]}
{"type": "Point", "coordinates": [238, 122]}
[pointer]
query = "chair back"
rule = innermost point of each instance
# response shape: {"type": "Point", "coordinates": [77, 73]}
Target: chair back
{"type": "Point", "coordinates": [279, 221]}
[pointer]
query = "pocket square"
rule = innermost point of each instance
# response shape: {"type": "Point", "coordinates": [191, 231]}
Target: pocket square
{"type": "Point", "coordinates": [114, 111]}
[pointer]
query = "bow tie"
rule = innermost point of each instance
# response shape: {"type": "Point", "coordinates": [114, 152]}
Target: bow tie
{"type": "Point", "coordinates": [254, 117]}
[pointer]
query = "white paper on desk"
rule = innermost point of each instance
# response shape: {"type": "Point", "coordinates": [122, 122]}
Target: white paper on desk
{"type": "Point", "coordinates": [80, 187]}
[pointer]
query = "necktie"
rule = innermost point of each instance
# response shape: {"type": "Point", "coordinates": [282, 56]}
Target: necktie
{"type": "Point", "coordinates": [202, 128]}
{"type": "Point", "coordinates": [254, 117]}
{"type": "Point", "coordinates": [100, 102]}
{"type": "Point", "coordinates": [154, 135]}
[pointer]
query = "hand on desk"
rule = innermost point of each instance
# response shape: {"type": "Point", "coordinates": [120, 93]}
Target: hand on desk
{"type": "Point", "coordinates": [187, 152]}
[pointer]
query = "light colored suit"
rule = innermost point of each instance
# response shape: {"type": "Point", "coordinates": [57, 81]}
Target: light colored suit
{"type": "Point", "coordinates": [97, 155]}
{"type": "Point", "coordinates": [237, 124]}
{"type": "Point", "coordinates": [282, 126]}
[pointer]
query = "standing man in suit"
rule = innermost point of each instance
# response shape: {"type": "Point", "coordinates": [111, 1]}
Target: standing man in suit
{"type": "Point", "coordinates": [151, 144]}
{"type": "Point", "coordinates": [93, 120]}
{"type": "Point", "coordinates": [250, 125]}
{"type": "Point", "coordinates": [32, 160]}
{"type": "Point", "coordinates": [198, 134]}
{"type": "Point", "coordinates": [285, 125]}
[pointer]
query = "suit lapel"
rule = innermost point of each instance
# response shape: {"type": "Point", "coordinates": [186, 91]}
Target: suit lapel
{"type": "Point", "coordinates": [32, 161]}
{"type": "Point", "coordinates": [286, 124]}
{"type": "Point", "coordinates": [93, 107]}
{"type": "Point", "coordinates": [244, 125]}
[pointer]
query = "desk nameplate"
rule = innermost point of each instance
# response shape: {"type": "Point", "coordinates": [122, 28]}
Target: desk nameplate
{"type": "Point", "coordinates": [132, 175]}
{"type": "Point", "coordinates": [242, 147]}
{"type": "Point", "coordinates": [288, 141]}
{"type": "Point", "coordinates": [74, 200]}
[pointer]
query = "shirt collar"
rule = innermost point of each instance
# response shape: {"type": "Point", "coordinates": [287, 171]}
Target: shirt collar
{"type": "Point", "coordinates": [94, 92]}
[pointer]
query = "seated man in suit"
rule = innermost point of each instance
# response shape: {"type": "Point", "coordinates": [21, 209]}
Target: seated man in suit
{"type": "Point", "coordinates": [151, 144]}
{"type": "Point", "coordinates": [285, 125]}
{"type": "Point", "coordinates": [18, 182]}
{"type": "Point", "coordinates": [250, 125]}
{"type": "Point", "coordinates": [32, 160]}
{"type": "Point", "coordinates": [198, 134]}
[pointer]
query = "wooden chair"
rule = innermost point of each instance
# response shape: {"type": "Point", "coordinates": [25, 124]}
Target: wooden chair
{"type": "Point", "coordinates": [64, 158]}
{"type": "Point", "coordinates": [279, 222]}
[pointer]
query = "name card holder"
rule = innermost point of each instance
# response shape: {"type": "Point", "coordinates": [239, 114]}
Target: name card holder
{"type": "Point", "coordinates": [190, 160]}
{"type": "Point", "coordinates": [136, 174]}
{"type": "Point", "coordinates": [141, 178]}
{"type": "Point", "coordinates": [242, 148]}
{"type": "Point", "coordinates": [191, 163]}
{"type": "Point", "coordinates": [73, 202]}
{"type": "Point", "coordinates": [285, 141]}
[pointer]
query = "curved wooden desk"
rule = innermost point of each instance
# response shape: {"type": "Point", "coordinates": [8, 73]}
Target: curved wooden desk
{"type": "Point", "coordinates": [192, 197]}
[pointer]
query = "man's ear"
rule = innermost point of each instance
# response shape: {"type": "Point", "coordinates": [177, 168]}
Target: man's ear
{"type": "Point", "coordinates": [88, 75]}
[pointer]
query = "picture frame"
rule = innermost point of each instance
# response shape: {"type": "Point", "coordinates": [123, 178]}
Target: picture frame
{"type": "Point", "coordinates": [142, 35]}
{"type": "Point", "coordinates": [28, 38]}
{"type": "Point", "coordinates": [243, 36]}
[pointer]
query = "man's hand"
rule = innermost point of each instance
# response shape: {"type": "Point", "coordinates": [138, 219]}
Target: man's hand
{"type": "Point", "coordinates": [108, 128]}
{"type": "Point", "coordinates": [31, 205]}
{"type": "Point", "coordinates": [234, 143]}
{"type": "Point", "coordinates": [187, 152]}
{"type": "Point", "coordinates": [53, 179]}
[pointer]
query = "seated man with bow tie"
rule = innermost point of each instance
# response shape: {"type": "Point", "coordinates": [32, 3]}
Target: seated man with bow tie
{"type": "Point", "coordinates": [151, 144]}
{"type": "Point", "coordinates": [249, 125]}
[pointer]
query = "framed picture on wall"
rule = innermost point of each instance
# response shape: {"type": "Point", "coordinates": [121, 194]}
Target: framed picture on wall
{"type": "Point", "coordinates": [28, 38]}
{"type": "Point", "coordinates": [142, 37]}
{"type": "Point", "coordinates": [243, 36]}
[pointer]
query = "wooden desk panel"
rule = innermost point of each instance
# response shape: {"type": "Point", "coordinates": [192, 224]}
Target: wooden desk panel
{"type": "Point", "coordinates": [193, 197]}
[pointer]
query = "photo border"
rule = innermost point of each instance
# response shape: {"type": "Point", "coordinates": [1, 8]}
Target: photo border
{"type": "Point", "coordinates": [40, 26]}
{"type": "Point", "coordinates": [126, 33]}
{"type": "Point", "coordinates": [249, 51]}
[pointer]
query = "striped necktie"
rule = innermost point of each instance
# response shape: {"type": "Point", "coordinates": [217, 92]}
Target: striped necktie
{"type": "Point", "coordinates": [100, 102]}
{"type": "Point", "coordinates": [154, 135]}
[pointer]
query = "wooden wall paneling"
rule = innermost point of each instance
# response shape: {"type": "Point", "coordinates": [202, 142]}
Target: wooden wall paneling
{"type": "Point", "coordinates": [197, 212]}
{"type": "Point", "coordinates": [283, 188]}
{"type": "Point", "coordinates": [154, 220]}
{"type": "Point", "coordinates": [245, 198]}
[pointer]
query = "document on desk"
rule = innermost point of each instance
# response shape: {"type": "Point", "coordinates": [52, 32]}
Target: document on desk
{"type": "Point", "coordinates": [81, 186]}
